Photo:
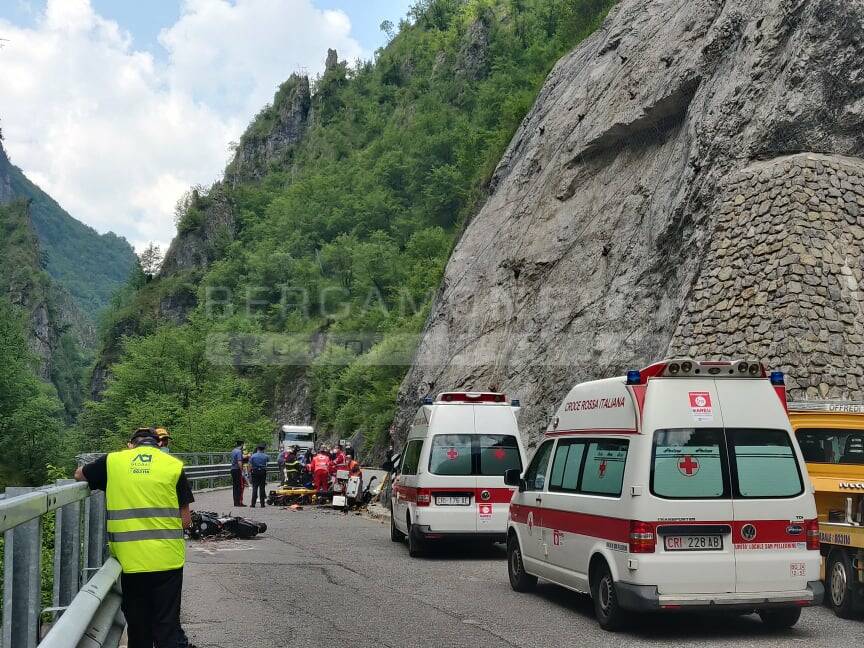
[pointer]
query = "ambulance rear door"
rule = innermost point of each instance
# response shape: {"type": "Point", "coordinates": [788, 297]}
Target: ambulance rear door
{"type": "Point", "coordinates": [449, 474]}
{"type": "Point", "coordinates": [497, 448]}
{"type": "Point", "coordinates": [769, 488]}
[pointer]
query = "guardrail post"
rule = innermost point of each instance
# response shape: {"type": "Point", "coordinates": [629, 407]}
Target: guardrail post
{"type": "Point", "coordinates": [21, 602]}
{"type": "Point", "coordinates": [67, 551]}
{"type": "Point", "coordinates": [95, 532]}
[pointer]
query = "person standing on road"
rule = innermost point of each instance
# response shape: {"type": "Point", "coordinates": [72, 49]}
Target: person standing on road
{"type": "Point", "coordinates": [280, 461]}
{"type": "Point", "coordinates": [147, 497]}
{"type": "Point", "coordinates": [237, 472]}
{"type": "Point", "coordinates": [258, 467]}
{"type": "Point", "coordinates": [320, 469]}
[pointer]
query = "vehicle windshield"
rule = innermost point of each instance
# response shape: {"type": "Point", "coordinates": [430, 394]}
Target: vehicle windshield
{"type": "Point", "coordinates": [831, 446]}
{"type": "Point", "coordinates": [713, 463]}
{"type": "Point", "coordinates": [299, 436]}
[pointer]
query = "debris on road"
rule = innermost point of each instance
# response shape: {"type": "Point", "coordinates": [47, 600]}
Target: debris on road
{"type": "Point", "coordinates": [212, 526]}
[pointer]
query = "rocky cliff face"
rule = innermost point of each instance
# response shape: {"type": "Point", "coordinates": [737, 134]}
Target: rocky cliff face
{"type": "Point", "coordinates": [279, 127]}
{"type": "Point", "coordinates": [198, 246]}
{"type": "Point", "coordinates": [610, 209]}
{"type": "Point", "coordinates": [6, 192]}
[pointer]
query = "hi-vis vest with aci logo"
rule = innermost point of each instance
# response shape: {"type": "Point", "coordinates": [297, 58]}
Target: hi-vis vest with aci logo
{"type": "Point", "coordinates": [145, 531]}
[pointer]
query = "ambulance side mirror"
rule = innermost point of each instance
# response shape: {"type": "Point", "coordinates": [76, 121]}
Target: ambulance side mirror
{"type": "Point", "coordinates": [513, 477]}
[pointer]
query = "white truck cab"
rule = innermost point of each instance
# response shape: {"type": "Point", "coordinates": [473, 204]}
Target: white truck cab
{"type": "Point", "coordinates": [300, 436]}
{"type": "Point", "coordinates": [680, 486]}
{"type": "Point", "coordinates": [450, 483]}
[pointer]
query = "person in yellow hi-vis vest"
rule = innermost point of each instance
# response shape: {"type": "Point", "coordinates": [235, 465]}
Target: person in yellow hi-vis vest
{"type": "Point", "coordinates": [147, 496]}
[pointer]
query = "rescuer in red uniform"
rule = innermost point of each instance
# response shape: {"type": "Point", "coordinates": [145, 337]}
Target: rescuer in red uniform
{"type": "Point", "coordinates": [320, 468]}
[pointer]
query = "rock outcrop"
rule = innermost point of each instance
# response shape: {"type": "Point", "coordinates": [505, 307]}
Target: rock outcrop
{"type": "Point", "coordinates": [278, 127]}
{"type": "Point", "coordinates": [198, 245]}
{"type": "Point", "coordinates": [6, 192]}
{"type": "Point", "coordinates": [610, 209]}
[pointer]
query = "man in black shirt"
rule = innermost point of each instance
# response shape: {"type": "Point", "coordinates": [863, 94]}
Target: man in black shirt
{"type": "Point", "coordinates": [138, 485]}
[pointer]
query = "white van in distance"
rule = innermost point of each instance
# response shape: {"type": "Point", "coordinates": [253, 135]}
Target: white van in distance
{"type": "Point", "coordinates": [680, 486]}
{"type": "Point", "coordinates": [301, 436]}
{"type": "Point", "coordinates": [451, 477]}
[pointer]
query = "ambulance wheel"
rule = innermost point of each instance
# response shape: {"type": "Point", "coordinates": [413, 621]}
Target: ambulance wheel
{"type": "Point", "coordinates": [609, 614]}
{"type": "Point", "coordinates": [395, 534]}
{"type": "Point", "coordinates": [416, 546]}
{"type": "Point", "coordinates": [780, 618]}
{"type": "Point", "coordinates": [841, 579]}
{"type": "Point", "coordinates": [520, 580]}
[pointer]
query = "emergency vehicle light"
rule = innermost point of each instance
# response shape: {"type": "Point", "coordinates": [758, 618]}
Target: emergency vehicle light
{"type": "Point", "coordinates": [515, 403]}
{"type": "Point", "coordinates": [715, 368]}
{"type": "Point", "coordinates": [472, 397]}
{"type": "Point", "coordinates": [427, 400]}
{"type": "Point", "coordinates": [777, 378]}
{"type": "Point", "coordinates": [634, 377]}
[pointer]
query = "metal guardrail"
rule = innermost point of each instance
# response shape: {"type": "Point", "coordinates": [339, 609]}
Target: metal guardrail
{"type": "Point", "coordinates": [80, 550]}
{"type": "Point", "coordinates": [204, 469]}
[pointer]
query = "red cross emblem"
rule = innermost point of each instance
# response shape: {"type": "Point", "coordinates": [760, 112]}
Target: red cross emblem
{"type": "Point", "coordinates": [500, 454]}
{"type": "Point", "coordinates": [688, 466]}
{"type": "Point", "coordinates": [602, 468]}
{"type": "Point", "coordinates": [452, 454]}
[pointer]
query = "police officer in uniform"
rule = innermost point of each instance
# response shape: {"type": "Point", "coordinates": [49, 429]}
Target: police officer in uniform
{"type": "Point", "coordinates": [147, 496]}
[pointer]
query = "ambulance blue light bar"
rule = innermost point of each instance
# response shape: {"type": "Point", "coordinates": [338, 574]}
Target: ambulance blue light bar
{"type": "Point", "coordinates": [777, 378]}
{"type": "Point", "coordinates": [634, 377]}
{"type": "Point", "coordinates": [427, 400]}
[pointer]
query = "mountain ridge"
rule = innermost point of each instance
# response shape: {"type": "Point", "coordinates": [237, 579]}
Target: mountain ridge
{"type": "Point", "coordinates": [89, 265]}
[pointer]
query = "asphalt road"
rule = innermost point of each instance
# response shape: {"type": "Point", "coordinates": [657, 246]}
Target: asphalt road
{"type": "Point", "coordinates": [320, 578]}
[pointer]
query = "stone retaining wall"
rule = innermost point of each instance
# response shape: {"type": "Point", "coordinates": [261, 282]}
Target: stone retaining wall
{"type": "Point", "coordinates": [781, 280]}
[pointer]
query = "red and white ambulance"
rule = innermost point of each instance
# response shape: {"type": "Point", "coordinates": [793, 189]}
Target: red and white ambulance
{"type": "Point", "coordinates": [451, 477]}
{"type": "Point", "coordinates": [677, 487]}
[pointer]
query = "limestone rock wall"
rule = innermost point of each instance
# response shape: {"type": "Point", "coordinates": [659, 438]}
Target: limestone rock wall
{"type": "Point", "coordinates": [604, 207]}
{"type": "Point", "coordinates": [780, 282]}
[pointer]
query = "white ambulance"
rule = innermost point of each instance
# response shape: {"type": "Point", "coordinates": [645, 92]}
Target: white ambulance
{"type": "Point", "coordinates": [678, 487]}
{"type": "Point", "coordinates": [451, 478]}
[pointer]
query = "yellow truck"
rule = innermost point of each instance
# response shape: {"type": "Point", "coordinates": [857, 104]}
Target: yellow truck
{"type": "Point", "coordinates": [831, 436]}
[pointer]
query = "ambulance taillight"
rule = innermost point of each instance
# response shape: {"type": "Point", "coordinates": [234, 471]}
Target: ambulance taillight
{"type": "Point", "coordinates": [642, 538]}
{"type": "Point", "coordinates": [811, 528]}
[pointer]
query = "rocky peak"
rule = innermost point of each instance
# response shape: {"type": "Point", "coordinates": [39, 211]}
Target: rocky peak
{"type": "Point", "coordinates": [271, 136]}
{"type": "Point", "coordinates": [332, 61]}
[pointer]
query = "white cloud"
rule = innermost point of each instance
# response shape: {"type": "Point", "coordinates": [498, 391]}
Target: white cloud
{"type": "Point", "coordinates": [116, 136]}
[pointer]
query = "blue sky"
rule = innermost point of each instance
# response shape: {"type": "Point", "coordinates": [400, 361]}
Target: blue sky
{"type": "Point", "coordinates": [146, 18]}
{"type": "Point", "coordinates": [116, 107]}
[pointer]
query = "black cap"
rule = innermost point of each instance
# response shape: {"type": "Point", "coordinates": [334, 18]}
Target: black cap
{"type": "Point", "coordinates": [144, 433]}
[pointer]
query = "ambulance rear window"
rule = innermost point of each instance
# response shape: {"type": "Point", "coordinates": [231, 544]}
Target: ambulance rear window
{"type": "Point", "coordinates": [497, 454]}
{"type": "Point", "coordinates": [688, 463]}
{"type": "Point", "coordinates": [451, 455]}
{"type": "Point", "coordinates": [764, 464]}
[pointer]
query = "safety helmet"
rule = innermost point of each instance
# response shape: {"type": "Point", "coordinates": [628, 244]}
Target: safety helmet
{"type": "Point", "coordinates": [162, 433]}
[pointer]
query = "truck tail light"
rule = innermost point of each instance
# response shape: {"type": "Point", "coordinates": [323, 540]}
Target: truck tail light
{"type": "Point", "coordinates": [642, 538]}
{"type": "Point", "coordinates": [811, 528]}
{"type": "Point", "coordinates": [424, 497]}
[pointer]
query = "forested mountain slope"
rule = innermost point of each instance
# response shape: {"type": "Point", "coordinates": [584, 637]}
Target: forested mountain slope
{"type": "Point", "coordinates": [90, 266]}
{"type": "Point", "coordinates": [41, 314]}
{"type": "Point", "coordinates": [297, 285]}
